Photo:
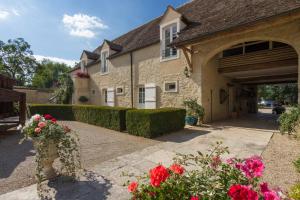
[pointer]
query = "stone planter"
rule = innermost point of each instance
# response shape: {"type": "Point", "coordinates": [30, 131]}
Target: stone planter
{"type": "Point", "coordinates": [48, 171]}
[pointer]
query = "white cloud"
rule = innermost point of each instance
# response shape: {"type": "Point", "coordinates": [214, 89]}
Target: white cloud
{"type": "Point", "coordinates": [70, 63]}
{"type": "Point", "coordinates": [5, 13]}
{"type": "Point", "coordinates": [82, 25]}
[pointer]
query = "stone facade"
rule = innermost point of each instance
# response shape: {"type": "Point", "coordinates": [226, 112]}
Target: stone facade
{"type": "Point", "coordinates": [204, 82]}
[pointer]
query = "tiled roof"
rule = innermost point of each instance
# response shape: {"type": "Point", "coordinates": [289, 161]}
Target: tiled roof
{"type": "Point", "coordinates": [207, 17]}
{"type": "Point", "coordinates": [91, 55]}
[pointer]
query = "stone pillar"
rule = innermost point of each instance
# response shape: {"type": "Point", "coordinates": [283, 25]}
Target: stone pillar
{"type": "Point", "coordinates": [81, 88]}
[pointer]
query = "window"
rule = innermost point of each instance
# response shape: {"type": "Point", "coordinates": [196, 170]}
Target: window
{"type": "Point", "coordinates": [169, 33]}
{"type": "Point", "coordinates": [93, 92]}
{"type": "Point", "coordinates": [104, 93]}
{"type": "Point", "coordinates": [171, 86]}
{"type": "Point", "coordinates": [104, 66]}
{"type": "Point", "coordinates": [120, 91]}
{"type": "Point", "coordinates": [141, 96]}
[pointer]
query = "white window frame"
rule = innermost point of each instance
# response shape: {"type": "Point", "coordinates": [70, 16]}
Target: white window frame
{"type": "Point", "coordinates": [171, 82]}
{"type": "Point", "coordinates": [118, 87]}
{"type": "Point", "coordinates": [104, 95]}
{"type": "Point", "coordinates": [141, 102]}
{"type": "Point", "coordinates": [163, 27]}
{"type": "Point", "coordinates": [104, 62]}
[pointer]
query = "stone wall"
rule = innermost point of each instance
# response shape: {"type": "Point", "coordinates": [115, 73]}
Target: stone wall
{"type": "Point", "coordinates": [39, 96]}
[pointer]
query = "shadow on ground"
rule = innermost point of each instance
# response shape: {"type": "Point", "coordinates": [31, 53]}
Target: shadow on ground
{"type": "Point", "coordinates": [90, 187]}
{"type": "Point", "coordinates": [12, 153]}
{"type": "Point", "coordinates": [182, 136]}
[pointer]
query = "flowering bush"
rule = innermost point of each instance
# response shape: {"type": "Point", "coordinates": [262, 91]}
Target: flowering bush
{"type": "Point", "coordinates": [44, 130]}
{"type": "Point", "coordinates": [82, 75]}
{"type": "Point", "coordinates": [208, 178]}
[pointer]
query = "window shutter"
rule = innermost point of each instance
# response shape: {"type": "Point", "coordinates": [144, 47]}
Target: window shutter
{"type": "Point", "coordinates": [111, 97]}
{"type": "Point", "coordinates": [150, 96]}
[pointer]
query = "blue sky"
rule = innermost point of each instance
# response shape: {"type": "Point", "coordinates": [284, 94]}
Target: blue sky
{"type": "Point", "coordinates": [63, 28]}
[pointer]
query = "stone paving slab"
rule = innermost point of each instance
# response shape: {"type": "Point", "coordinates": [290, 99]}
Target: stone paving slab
{"type": "Point", "coordinates": [242, 142]}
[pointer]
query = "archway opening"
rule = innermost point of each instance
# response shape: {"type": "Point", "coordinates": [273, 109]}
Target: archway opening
{"type": "Point", "coordinates": [238, 72]}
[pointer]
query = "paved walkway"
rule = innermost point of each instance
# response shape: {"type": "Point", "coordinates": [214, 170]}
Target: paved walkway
{"type": "Point", "coordinates": [105, 179]}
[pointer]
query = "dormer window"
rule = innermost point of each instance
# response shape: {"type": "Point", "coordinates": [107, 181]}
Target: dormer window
{"type": "Point", "coordinates": [82, 65]}
{"type": "Point", "coordinates": [104, 66]}
{"type": "Point", "coordinates": [169, 33]}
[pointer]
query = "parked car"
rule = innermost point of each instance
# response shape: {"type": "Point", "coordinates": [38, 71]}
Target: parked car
{"type": "Point", "coordinates": [278, 109]}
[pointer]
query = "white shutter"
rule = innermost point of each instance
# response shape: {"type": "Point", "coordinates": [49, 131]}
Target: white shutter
{"type": "Point", "coordinates": [111, 97]}
{"type": "Point", "coordinates": [150, 96]}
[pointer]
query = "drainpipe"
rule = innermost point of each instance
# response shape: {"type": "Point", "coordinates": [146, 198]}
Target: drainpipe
{"type": "Point", "coordinates": [131, 78]}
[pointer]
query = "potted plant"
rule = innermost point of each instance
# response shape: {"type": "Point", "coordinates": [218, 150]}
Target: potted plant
{"type": "Point", "coordinates": [195, 112]}
{"type": "Point", "coordinates": [52, 140]}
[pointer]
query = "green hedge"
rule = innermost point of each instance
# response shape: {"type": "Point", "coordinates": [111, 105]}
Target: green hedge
{"type": "Point", "coordinates": [108, 117]}
{"type": "Point", "coordinates": [156, 122]}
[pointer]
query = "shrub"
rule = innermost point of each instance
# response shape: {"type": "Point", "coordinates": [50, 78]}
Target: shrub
{"type": "Point", "coordinates": [193, 108]}
{"type": "Point", "coordinates": [209, 178]}
{"type": "Point", "coordinates": [104, 116]}
{"type": "Point", "coordinates": [297, 164]}
{"type": "Point", "coordinates": [289, 120]}
{"type": "Point", "coordinates": [295, 192]}
{"type": "Point", "coordinates": [154, 122]}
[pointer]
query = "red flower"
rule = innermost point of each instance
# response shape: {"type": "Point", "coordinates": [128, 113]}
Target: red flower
{"type": "Point", "coordinates": [253, 167]}
{"type": "Point", "coordinates": [194, 198]}
{"type": "Point", "coordinates": [157, 175]}
{"type": "Point", "coordinates": [177, 169]}
{"type": "Point", "coordinates": [132, 187]}
{"type": "Point", "coordinates": [53, 120]}
{"type": "Point", "coordinates": [48, 117]}
{"type": "Point", "coordinates": [264, 187]}
{"type": "Point", "coordinates": [242, 192]}
{"type": "Point", "coordinates": [271, 196]}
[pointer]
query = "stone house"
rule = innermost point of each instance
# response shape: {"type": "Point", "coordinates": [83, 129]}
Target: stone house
{"type": "Point", "coordinates": [216, 51]}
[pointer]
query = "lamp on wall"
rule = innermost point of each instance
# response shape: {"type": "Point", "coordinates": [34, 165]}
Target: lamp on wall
{"type": "Point", "coordinates": [186, 72]}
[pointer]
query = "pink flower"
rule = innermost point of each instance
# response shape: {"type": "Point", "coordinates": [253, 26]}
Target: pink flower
{"type": "Point", "coordinates": [216, 161]}
{"type": "Point", "coordinates": [242, 192]}
{"type": "Point", "coordinates": [132, 187]}
{"type": "Point", "coordinates": [158, 175]}
{"type": "Point", "coordinates": [253, 167]}
{"type": "Point", "coordinates": [37, 130]}
{"type": "Point", "coordinates": [194, 198]}
{"type": "Point", "coordinates": [271, 196]}
{"type": "Point", "coordinates": [36, 118]}
{"type": "Point", "coordinates": [177, 169]}
{"type": "Point", "coordinates": [264, 187]}
{"type": "Point", "coordinates": [41, 124]}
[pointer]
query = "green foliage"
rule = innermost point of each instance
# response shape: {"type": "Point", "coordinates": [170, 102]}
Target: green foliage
{"type": "Point", "coordinates": [48, 74]}
{"type": "Point", "coordinates": [83, 99]}
{"type": "Point", "coordinates": [155, 122]}
{"type": "Point", "coordinates": [280, 92]}
{"type": "Point", "coordinates": [193, 108]}
{"type": "Point", "coordinates": [297, 164]}
{"type": "Point", "coordinates": [16, 60]}
{"type": "Point", "coordinates": [104, 116]}
{"type": "Point", "coordinates": [63, 94]}
{"type": "Point", "coordinates": [289, 120]}
{"type": "Point", "coordinates": [295, 192]}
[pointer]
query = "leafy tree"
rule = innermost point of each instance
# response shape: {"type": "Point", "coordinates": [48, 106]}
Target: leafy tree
{"type": "Point", "coordinates": [279, 92]}
{"type": "Point", "coordinates": [48, 74]}
{"type": "Point", "coordinates": [16, 60]}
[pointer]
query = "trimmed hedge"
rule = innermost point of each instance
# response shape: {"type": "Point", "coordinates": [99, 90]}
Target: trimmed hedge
{"type": "Point", "coordinates": [104, 116]}
{"type": "Point", "coordinates": [155, 122]}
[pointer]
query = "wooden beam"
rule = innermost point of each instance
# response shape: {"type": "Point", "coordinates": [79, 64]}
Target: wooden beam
{"type": "Point", "coordinates": [7, 95]}
{"type": "Point", "coordinates": [268, 78]}
{"type": "Point", "coordinates": [187, 52]}
{"type": "Point", "coordinates": [259, 66]}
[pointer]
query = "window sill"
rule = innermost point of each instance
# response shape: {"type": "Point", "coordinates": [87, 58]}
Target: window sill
{"type": "Point", "coordinates": [169, 58]}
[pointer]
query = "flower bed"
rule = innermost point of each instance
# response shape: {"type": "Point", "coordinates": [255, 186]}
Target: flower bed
{"type": "Point", "coordinates": [104, 116]}
{"type": "Point", "coordinates": [152, 123]}
{"type": "Point", "coordinates": [209, 179]}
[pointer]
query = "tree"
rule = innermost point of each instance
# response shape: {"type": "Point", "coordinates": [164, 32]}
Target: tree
{"type": "Point", "coordinates": [63, 93]}
{"type": "Point", "coordinates": [48, 74]}
{"type": "Point", "coordinates": [17, 61]}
